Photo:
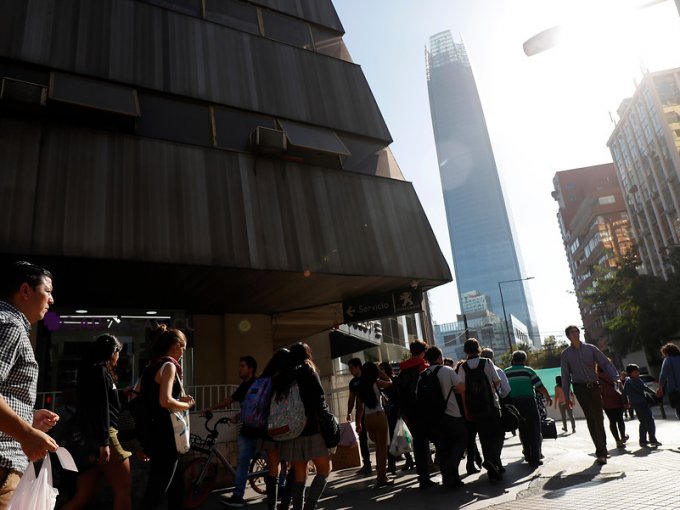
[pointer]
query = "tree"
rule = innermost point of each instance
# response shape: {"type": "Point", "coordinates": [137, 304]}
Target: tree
{"type": "Point", "coordinates": [643, 311]}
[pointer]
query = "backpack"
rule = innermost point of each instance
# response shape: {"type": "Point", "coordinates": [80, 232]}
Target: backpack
{"type": "Point", "coordinates": [430, 402]}
{"type": "Point", "coordinates": [287, 416]}
{"type": "Point", "coordinates": [406, 390]}
{"type": "Point", "coordinates": [478, 397]}
{"type": "Point", "coordinates": [255, 405]}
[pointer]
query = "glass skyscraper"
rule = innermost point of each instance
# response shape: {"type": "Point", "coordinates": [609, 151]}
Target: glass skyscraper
{"type": "Point", "coordinates": [484, 251]}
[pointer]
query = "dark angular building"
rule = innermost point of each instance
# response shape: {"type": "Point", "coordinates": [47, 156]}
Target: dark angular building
{"type": "Point", "coordinates": [482, 242]}
{"type": "Point", "coordinates": [217, 164]}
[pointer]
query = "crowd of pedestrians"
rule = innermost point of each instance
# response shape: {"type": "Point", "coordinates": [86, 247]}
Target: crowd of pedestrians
{"type": "Point", "coordinates": [442, 403]}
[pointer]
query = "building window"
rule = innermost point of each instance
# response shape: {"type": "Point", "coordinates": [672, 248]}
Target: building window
{"type": "Point", "coordinates": [313, 138]}
{"type": "Point", "coordinates": [286, 29]}
{"type": "Point", "coordinates": [99, 95]}
{"type": "Point", "coordinates": [175, 120]}
{"type": "Point", "coordinates": [232, 14]}
{"type": "Point", "coordinates": [233, 127]}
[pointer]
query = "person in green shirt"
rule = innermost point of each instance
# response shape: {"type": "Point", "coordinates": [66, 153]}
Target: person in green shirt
{"type": "Point", "coordinates": [524, 383]}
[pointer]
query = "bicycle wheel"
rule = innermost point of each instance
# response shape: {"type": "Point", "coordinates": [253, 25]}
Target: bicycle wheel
{"type": "Point", "coordinates": [256, 472]}
{"type": "Point", "coordinates": [194, 493]}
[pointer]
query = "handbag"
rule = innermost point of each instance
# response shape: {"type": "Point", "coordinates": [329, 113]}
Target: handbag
{"type": "Point", "coordinates": [402, 441]}
{"type": "Point", "coordinates": [548, 428]}
{"type": "Point", "coordinates": [330, 427]}
{"type": "Point", "coordinates": [35, 493]}
{"type": "Point", "coordinates": [180, 425]}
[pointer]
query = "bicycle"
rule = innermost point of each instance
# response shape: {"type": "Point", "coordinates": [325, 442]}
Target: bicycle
{"type": "Point", "coordinates": [199, 475]}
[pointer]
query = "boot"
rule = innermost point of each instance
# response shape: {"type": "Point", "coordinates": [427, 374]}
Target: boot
{"type": "Point", "coordinates": [285, 491]}
{"type": "Point", "coordinates": [297, 494]}
{"type": "Point", "coordinates": [272, 484]}
{"type": "Point", "coordinates": [314, 492]}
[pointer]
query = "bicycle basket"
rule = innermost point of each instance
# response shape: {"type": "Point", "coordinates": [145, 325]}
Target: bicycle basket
{"type": "Point", "coordinates": [199, 443]}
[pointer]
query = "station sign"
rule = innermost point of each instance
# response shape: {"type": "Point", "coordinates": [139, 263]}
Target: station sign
{"type": "Point", "coordinates": [375, 306]}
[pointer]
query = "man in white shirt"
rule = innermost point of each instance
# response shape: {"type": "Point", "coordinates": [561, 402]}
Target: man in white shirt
{"type": "Point", "coordinates": [451, 437]}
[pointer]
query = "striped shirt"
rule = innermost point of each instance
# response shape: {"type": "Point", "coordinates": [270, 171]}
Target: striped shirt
{"type": "Point", "coordinates": [18, 379]}
{"type": "Point", "coordinates": [522, 381]}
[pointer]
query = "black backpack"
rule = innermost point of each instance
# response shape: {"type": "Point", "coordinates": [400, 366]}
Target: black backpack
{"type": "Point", "coordinates": [478, 397]}
{"type": "Point", "coordinates": [430, 401]}
{"type": "Point", "coordinates": [406, 391]}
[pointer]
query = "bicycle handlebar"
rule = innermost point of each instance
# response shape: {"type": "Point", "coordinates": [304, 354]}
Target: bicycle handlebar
{"type": "Point", "coordinates": [208, 415]}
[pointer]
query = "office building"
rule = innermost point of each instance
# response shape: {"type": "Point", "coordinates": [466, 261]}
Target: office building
{"type": "Point", "coordinates": [482, 240]}
{"type": "Point", "coordinates": [644, 146]}
{"type": "Point", "coordinates": [218, 165]}
{"type": "Point", "coordinates": [596, 232]}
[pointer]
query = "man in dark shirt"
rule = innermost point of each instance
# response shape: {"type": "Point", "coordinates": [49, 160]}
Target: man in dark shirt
{"type": "Point", "coordinates": [247, 438]}
{"type": "Point", "coordinates": [579, 364]}
{"type": "Point", "coordinates": [355, 369]}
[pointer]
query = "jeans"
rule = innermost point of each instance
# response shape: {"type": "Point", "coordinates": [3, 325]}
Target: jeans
{"type": "Point", "coordinates": [616, 424]}
{"type": "Point", "coordinates": [363, 444]}
{"type": "Point", "coordinates": [647, 424]}
{"type": "Point", "coordinates": [421, 446]}
{"type": "Point", "coordinates": [564, 411]}
{"type": "Point", "coordinates": [247, 447]}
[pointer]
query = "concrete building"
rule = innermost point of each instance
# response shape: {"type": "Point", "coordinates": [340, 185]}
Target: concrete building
{"type": "Point", "coordinates": [487, 327]}
{"type": "Point", "coordinates": [482, 240]}
{"type": "Point", "coordinates": [644, 146]}
{"type": "Point", "coordinates": [219, 165]}
{"type": "Point", "coordinates": [595, 230]}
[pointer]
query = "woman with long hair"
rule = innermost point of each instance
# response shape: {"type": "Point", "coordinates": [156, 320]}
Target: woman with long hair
{"type": "Point", "coordinates": [276, 364]}
{"type": "Point", "coordinates": [369, 407]}
{"type": "Point", "coordinates": [97, 425]}
{"type": "Point", "coordinates": [309, 445]}
{"type": "Point", "coordinates": [161, 390]}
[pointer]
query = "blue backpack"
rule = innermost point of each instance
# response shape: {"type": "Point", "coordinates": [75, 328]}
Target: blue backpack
{"type": "Point", "coordinates": [255, 406]}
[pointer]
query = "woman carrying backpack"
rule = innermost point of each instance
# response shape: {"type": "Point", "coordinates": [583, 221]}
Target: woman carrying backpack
{"type": "Point", "coordinates": [369, 407]}
{"type": "Point", "coordinates": [309, 445]}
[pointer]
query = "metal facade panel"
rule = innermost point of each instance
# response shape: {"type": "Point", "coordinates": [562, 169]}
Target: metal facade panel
{"type": "Point", "coordinates": [112, 196]}
{"type": "Point", "coordinates": [149, 47]}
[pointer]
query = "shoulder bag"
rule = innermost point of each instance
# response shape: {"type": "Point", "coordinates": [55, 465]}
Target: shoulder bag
{"type": "Point", "coordinates": [180, 425]}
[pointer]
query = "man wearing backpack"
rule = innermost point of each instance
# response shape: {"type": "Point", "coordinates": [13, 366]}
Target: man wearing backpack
{"type": "Point", "coordinates": [482, 406]}
{"type": "Point", "coordinates": [436, 402]}
{"type": "Point", "coordinates": [247, 437]}
{"type": "Point", "coordinates": [409, 371]}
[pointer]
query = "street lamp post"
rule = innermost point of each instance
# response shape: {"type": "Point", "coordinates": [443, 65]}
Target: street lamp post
{"type": "Point", "coordinates": [505, 316]}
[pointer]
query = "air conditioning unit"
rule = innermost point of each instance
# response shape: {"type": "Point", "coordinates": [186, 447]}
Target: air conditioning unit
{"type": "Point", "coordinates": [268, 141]}
{"type": "Point", "coordinates": [18, 91]}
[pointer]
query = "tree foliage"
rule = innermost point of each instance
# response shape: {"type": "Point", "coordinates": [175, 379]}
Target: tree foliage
{"type": "Point", "coordinates": [548, 356]}
{"type": "Point", "coordinates": [643, 311]}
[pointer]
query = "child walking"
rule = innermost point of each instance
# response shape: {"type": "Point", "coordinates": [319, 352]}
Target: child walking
{"type": "Point", "coordinates": [634, 390]}
{"type": "Point", "coordinates": [561, 402]}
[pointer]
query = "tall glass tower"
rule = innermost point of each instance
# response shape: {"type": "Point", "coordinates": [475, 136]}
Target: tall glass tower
{"type": "Point", "coordinates": [484, 251]}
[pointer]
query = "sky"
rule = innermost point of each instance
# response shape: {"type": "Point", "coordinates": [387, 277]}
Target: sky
{"type": "Point", "coordinates": [550, 112]}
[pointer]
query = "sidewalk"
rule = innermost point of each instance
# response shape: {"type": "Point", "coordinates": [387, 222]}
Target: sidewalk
{"type": "Point", "coordinates": [633, 478]}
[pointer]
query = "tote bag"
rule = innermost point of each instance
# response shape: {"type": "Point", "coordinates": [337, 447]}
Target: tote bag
{"type": "Point", "coordinates": [180, 426]}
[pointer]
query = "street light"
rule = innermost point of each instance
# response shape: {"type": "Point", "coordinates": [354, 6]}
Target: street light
{"type": "Point", "coordinates": [550, 37]}
{"type": "Point", "coordinates": [505, 317]}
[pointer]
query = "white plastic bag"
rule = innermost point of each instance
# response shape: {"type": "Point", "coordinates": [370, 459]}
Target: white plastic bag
{"type": "Point", "coordinates": [35, 493]}
{"type": "Point", "coordinates": [402, 441]}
